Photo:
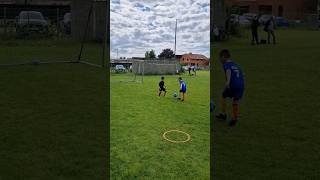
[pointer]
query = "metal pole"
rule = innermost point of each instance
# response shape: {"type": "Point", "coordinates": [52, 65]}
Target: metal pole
{"type": "Point", "coordinates": [58, 27]}
{"type": "Point", "coordinates": [85, 33]}
{"type": "Point", "coordinates": [5, 19]}
{"type": "Point", "coordinates": [175, 38]}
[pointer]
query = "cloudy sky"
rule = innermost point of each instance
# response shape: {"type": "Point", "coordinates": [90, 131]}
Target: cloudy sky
{"type": "Point", "coordinates": [141, 25]}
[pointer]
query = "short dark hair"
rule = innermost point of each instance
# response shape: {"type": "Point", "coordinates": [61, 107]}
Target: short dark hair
{"type": "Point", "coordinates": [225, 53]}
{"type": "Point", "coordinates": [180, 78]}
{"type": "Point", "coordinates": [162, 77]}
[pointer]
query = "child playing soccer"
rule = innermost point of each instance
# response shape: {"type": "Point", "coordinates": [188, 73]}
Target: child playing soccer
{"type": "Point", "coordinates": [183, 89]}
{"type": "Point", "coordinates": [234, 87]}
{"type": "Point", "coordinates": [162, 87]}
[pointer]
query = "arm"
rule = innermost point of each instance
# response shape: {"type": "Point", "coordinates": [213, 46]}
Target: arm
{"type": "Point", "coordinates": [228, 77]}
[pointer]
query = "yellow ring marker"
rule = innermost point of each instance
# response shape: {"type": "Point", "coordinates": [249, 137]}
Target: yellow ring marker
{"type": "Point", "coordinates": [173, 141]}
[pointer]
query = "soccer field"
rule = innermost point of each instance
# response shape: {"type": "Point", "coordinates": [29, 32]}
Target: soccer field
{"type": "Point", "coordinates": [139, 118]}
{"type": "Point", "coordinates": [53, 117]}
{"type": "Point", "coordinates": [278, 133]}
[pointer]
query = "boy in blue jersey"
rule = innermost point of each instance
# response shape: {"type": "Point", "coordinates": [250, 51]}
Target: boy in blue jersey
{"type": "Point", "coordinates": [183, 89]}
{"type": "Point", "coordinates": [234, 87]}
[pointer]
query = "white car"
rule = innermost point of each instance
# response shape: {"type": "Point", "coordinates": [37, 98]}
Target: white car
{"type": "Point", "coordinates": [243, 21]}
{"type": "Point", "coordinates": [120, 68]}
{"type": "Point", "coordinates": [250, 16]}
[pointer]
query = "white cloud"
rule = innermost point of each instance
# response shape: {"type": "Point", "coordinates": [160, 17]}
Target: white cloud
{"type": "Point", "coordinates": [141, 25]}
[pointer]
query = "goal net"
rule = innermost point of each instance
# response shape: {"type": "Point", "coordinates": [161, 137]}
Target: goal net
{"type": "Point", "coordinates": [56, 33]}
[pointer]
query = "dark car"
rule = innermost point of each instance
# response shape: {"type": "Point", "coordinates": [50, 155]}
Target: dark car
{"type": "Point", "coordinates": [65, 24]}
{"type": "Point", "coordinates": [31, 21]}
{"type": "Point", "coordinates": [281, 22]}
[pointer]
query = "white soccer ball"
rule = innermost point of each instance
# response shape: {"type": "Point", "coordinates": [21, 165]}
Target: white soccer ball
{"type": "Point", "coordinates": [175, 94]}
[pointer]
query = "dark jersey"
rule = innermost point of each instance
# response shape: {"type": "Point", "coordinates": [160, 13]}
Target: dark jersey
{"type": "Point", "coordinates": [236, 79]}
{"type": "Point", "coordinates": [161, 84]}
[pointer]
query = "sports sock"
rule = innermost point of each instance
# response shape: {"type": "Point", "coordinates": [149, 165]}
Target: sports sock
{"type": "Point", "coordinates": [235, 111]}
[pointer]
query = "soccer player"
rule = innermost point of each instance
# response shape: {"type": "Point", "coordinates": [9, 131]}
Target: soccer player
{"type": "Point", "coordinates": [162, 87]}
{"type": "Point", "coordinates": [183, 89]}
{"type": "Point", "coordinates": [234, 87]}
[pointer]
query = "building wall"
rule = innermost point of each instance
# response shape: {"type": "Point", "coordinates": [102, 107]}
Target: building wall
{"type": "Point", "coordinates": [291, 9]}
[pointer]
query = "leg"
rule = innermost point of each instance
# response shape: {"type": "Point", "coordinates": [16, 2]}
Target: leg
{"type": "Point", "coordinates": [182, 97]}
{"type": "Point", "coordinates": [257, 38]}
{"type": "Point", "coordinates": [273, 37]}
{"type": "Point", "coordinates": [252, 38]}
{"type": "Point", "coordinates": [235, 110]}
{"type": "Point", "coordinates": [159, 93]}
{"type": "Point", "coordinates": [165, 92]}
{"type": "Point", "coordinates": [268, 37]}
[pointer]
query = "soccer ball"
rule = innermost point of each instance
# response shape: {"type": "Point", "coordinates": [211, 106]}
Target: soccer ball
{"type": "Point", "coordinates": [175, 94]}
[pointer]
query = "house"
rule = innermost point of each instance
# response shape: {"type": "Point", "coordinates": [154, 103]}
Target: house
{"type": "Point", "coordinates": [283, 8]}
{"type": "Point", "coordinates": [194, 60]}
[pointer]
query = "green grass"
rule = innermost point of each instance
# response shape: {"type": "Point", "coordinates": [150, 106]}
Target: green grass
{"type": "Point", "coordinates": [139, 118]}
{"type": "Point", "coordinates": [53, 117]}
{"type": "Point", "coordinates": [47, 50]}
{"type": "Point", "coordinates": [278, 133]}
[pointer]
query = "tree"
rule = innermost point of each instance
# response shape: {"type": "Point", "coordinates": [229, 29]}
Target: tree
{"type": "Point", "coordinates": [166, 54]}
{"type": "Point", "coordinates": [146, 55]}
{"type": "Point", "coordinates": [152, 54]}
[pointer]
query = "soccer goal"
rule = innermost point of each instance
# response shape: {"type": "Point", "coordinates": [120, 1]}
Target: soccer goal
{"type": "Point", "coordinates": [35, 35]}
{"type": "Point", "coordinates": [132, 72]}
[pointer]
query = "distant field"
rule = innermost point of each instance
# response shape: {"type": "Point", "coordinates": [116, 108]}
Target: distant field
{"type": "Point", "coordinates": [139, 118]}
{"type": "Point", "coordinates": [53, 117]}
{"type": "Point", "coordinates": [278, 133]}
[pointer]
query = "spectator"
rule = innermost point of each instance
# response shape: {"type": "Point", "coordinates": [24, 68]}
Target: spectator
{"type": "Point", "coordinates": [269, 28]}
{"type": "Point", "coordinates": [254, 30]}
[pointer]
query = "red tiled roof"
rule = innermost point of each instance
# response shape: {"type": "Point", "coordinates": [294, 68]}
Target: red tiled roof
{"type": "Point", "coordinates": [195, 56]}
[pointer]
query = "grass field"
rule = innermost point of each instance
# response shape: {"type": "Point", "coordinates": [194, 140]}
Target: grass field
{"type": "Point", "coordinates": [53, 117]}
{"type": "Point", "coordinates": [139, 118]}
{"type": "Point", "coordinates": [278, 133]}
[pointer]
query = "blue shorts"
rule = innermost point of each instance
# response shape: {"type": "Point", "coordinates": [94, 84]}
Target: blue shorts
{"type": "Point", "coordinates": [183, 90]}
{"type": "Point", "coordinates": [235, 93]}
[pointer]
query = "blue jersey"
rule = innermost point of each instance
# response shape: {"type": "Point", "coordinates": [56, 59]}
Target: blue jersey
{"type": "Point", "coordinates": [183, 86]}
{"type": "Point", "coordinates": [236, 79]}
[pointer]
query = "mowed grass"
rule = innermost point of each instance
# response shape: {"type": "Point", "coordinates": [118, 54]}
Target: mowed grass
{"type": "Point", "coordinates": [48, 50]}
{"type": "Point", "coordinates": [278, 133]}
{"type": "Point", "coordinates": [53, 118]}
{"type": "Point", "coordinates": [139, 118]}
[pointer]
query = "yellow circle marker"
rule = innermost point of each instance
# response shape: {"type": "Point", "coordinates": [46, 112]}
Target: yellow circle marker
{"type": "Point", "coordinates": [173, 141]}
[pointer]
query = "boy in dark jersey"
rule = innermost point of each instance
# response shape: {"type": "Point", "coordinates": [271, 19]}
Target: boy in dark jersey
{"type": "Point", "coordinates": [162, 87]}
{"type": "Point", "coordinates": [183, 89]}
{"type": "Point", "coordinates": [234, 87]}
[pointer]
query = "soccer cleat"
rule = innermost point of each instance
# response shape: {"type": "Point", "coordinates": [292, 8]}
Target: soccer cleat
{"type": "Point", "coordinates": [222, 117]}
{"type": "Point", "coordinates": [232, 123]}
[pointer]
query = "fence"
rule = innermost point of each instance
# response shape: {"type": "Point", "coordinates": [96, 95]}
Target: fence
{"type": "Point", "coordinates": [43, 33]}
{"type": "Point", "coordinates": [57, 19]}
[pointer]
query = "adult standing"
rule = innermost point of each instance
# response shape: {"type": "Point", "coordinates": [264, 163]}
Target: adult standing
{"type": "Point", "coordinates": [269, 28]}
{"type": "Point", "coordinates": [254, 30]}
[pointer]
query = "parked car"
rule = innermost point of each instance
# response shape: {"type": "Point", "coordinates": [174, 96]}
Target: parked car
{"type": "Point", "coordinates": [65, 24]}
{"type": "Point", "coordinates": [31, 21]}
{"type": "Point", "coordinates": [264, 18]}
{"type": "Point", "coordinates": [243, 21]}
{"type": "Point", "coordinates": [281, 22]}
{"type": "Point", "coordinates": [250, 16]}
{"type": "Point", "coordinates": [120, 68]}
